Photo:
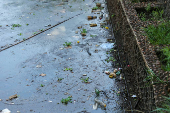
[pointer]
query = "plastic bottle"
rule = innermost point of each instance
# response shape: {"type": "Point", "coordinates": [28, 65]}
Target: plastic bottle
{"type": "Point", "coordinates": [100, 102]}
{"type": "Point", "coordinates": [92, 17]}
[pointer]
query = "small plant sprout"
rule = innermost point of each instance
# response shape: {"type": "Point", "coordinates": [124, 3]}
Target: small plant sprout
{"type": "Point", "coordinates": [113, 15]}
{"type": "Point", "coordinates": [68, 69]}
{"type": "Point", "coordinates": [83, 31]}
{"type": "Point", "coordinates": [110, 59]}
{"type": "Point", "coordinates": [93, 36]}
{"type": "Point", "coordinates": [24, 39]}
{"type": "Point", "coordinates": [41, 29]}
{"type": "Point", "coordinates": [85, 80]}
{"type": "Point", "coordinates": [20, 34]}
{"type": "Point", "coordinates": [95, 8]}
{"type": "Point", "coordinates": [60, 79]}
{"type": "Point", "coordinates": [42, 85]}
{"type": "Point", "coordinates": [66, 100]}
{"type": "Point", "coordinates": [35, 33]}
{"type": "Point", "coordinates": [27, 24]}
{"type": "Point", "coordinates": [70, 6]}
{"type": "Point", "coordinates": [67, 44]}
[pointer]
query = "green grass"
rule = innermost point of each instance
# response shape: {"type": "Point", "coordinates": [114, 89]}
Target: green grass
{"type": "Point", "coordinates": [166, 58]}
{"type": "Point", "coordinates": [165, 106]}
{"type": "Point", "coordinates": [159, 34]}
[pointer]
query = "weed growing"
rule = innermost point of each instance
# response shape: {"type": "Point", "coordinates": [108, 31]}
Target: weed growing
{"type": "Point", "coordinates": [66, 100]}
{"type": "Point", "coordinates": [67, 44]}
{"type": "Point", "coordinates": [166, 58]}
{"type": "Point", "coordinates": [95, 8]}
{"type": "Point", "coordinates": [20, 34]}
{"type": "Point", "coordinates": [83, 31]}
{"type": "Point", "coordinates": [68, 69]}
{"type": "Point", "coordinates": [159, 34]}
{"type": "Point", "coordinates": [42, 85]}
{"type": "Point", "coordinates": [16, 25]}
{"type": "Point", "coordinates": [110, 59]}
{"type": "Point", "coordinates": [85, 80]}
{"type": "Point", "coordinates": [60, 79]}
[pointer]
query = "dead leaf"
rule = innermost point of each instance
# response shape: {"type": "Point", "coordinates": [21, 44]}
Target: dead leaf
{"type": "Point", "coordinates": [42, 74]}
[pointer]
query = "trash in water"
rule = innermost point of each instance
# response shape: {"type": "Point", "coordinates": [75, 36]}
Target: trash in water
{"type": "Point", "coordinates": [118, 73]}
{"type": "Point", "coordinates": [93, 25]}
{"type": "Point", "coordinates": [107, 45]}
{"type": "Point", "coordinates": [121, 77]}
{"type": "Point", "coordinates": [5, 111]}
{"type": "Point", "coordinates": [107, 72]}
{"type": "Point", "coordinates": [115, 70]}
{"type": "Point", "coordinates": [38, 66]}
{"type": "Point", "coordinates": [12, 97]}
{"type": "Point", "coordinates": [76, 32]}
{"type": "Point", "coordinates": [48, 25]}
{"type": "Point", "coordinates": [84, 74]}
{"type": "Point", "coordinates": [101, 16]}
{"type": "Point", "coordinates": [134, 96]}
{"type": "Point", "coordinates": [107, 27]}
{"type": "Point", "coordinates": [111, 75]}
{"type": "Point", "coordinates": [106, 17]}
{"type": "Point", "coordinates": [79, 27]}
{"type": "Point", "coordinates": [102, 104]}
{"type": "Point", "coordinates": [83, 34]}
{"type": "Point", "coordinates": [92, 17]}
{"type": "Point", "coordinates": [98, 10]}
{"type": "Point", "coordinates": [78, 42]}
{"type": "Point", "coordinates": [42, 74]}
{"type": "Point", "coordinates": [98, 4]}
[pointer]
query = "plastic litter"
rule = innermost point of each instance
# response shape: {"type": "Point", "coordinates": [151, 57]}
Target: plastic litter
{"type": "Point", "coordinates": [92, 17]}
{"type": "Point", "coordinates": [5, 111]}
{"type": "Point", "coordinates": [100, 102]}
{"type": "Point", "coordinates": [107, 45]}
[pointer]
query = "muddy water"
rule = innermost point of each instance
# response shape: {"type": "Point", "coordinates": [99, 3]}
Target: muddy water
{"type": "Point", "coordinates": [21, 65]}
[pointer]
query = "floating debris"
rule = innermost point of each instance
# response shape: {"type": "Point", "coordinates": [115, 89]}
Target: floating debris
{"type": "Point", "coordinates": [93, 25]}
{"type": "Point", "coordinates": [92, 17]}
{"type": "Point", "coordinates": [107, 72]}
{"type": "Point", "coordinates": [12, 97]}
{"type": "Point", "coordinates": [42, 74]}
{"type": "Point", "coordinates": [111, 75]}
{"type": "Point", "coordinates": [5, 111]}
{"type": "Point", "coordinates": [115, 70]}
{"type": "Point", "coordinates": [38, 66]}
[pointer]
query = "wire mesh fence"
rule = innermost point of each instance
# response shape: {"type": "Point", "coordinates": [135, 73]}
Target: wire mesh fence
{"type": "Point", "coordinates": [141, 65]}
